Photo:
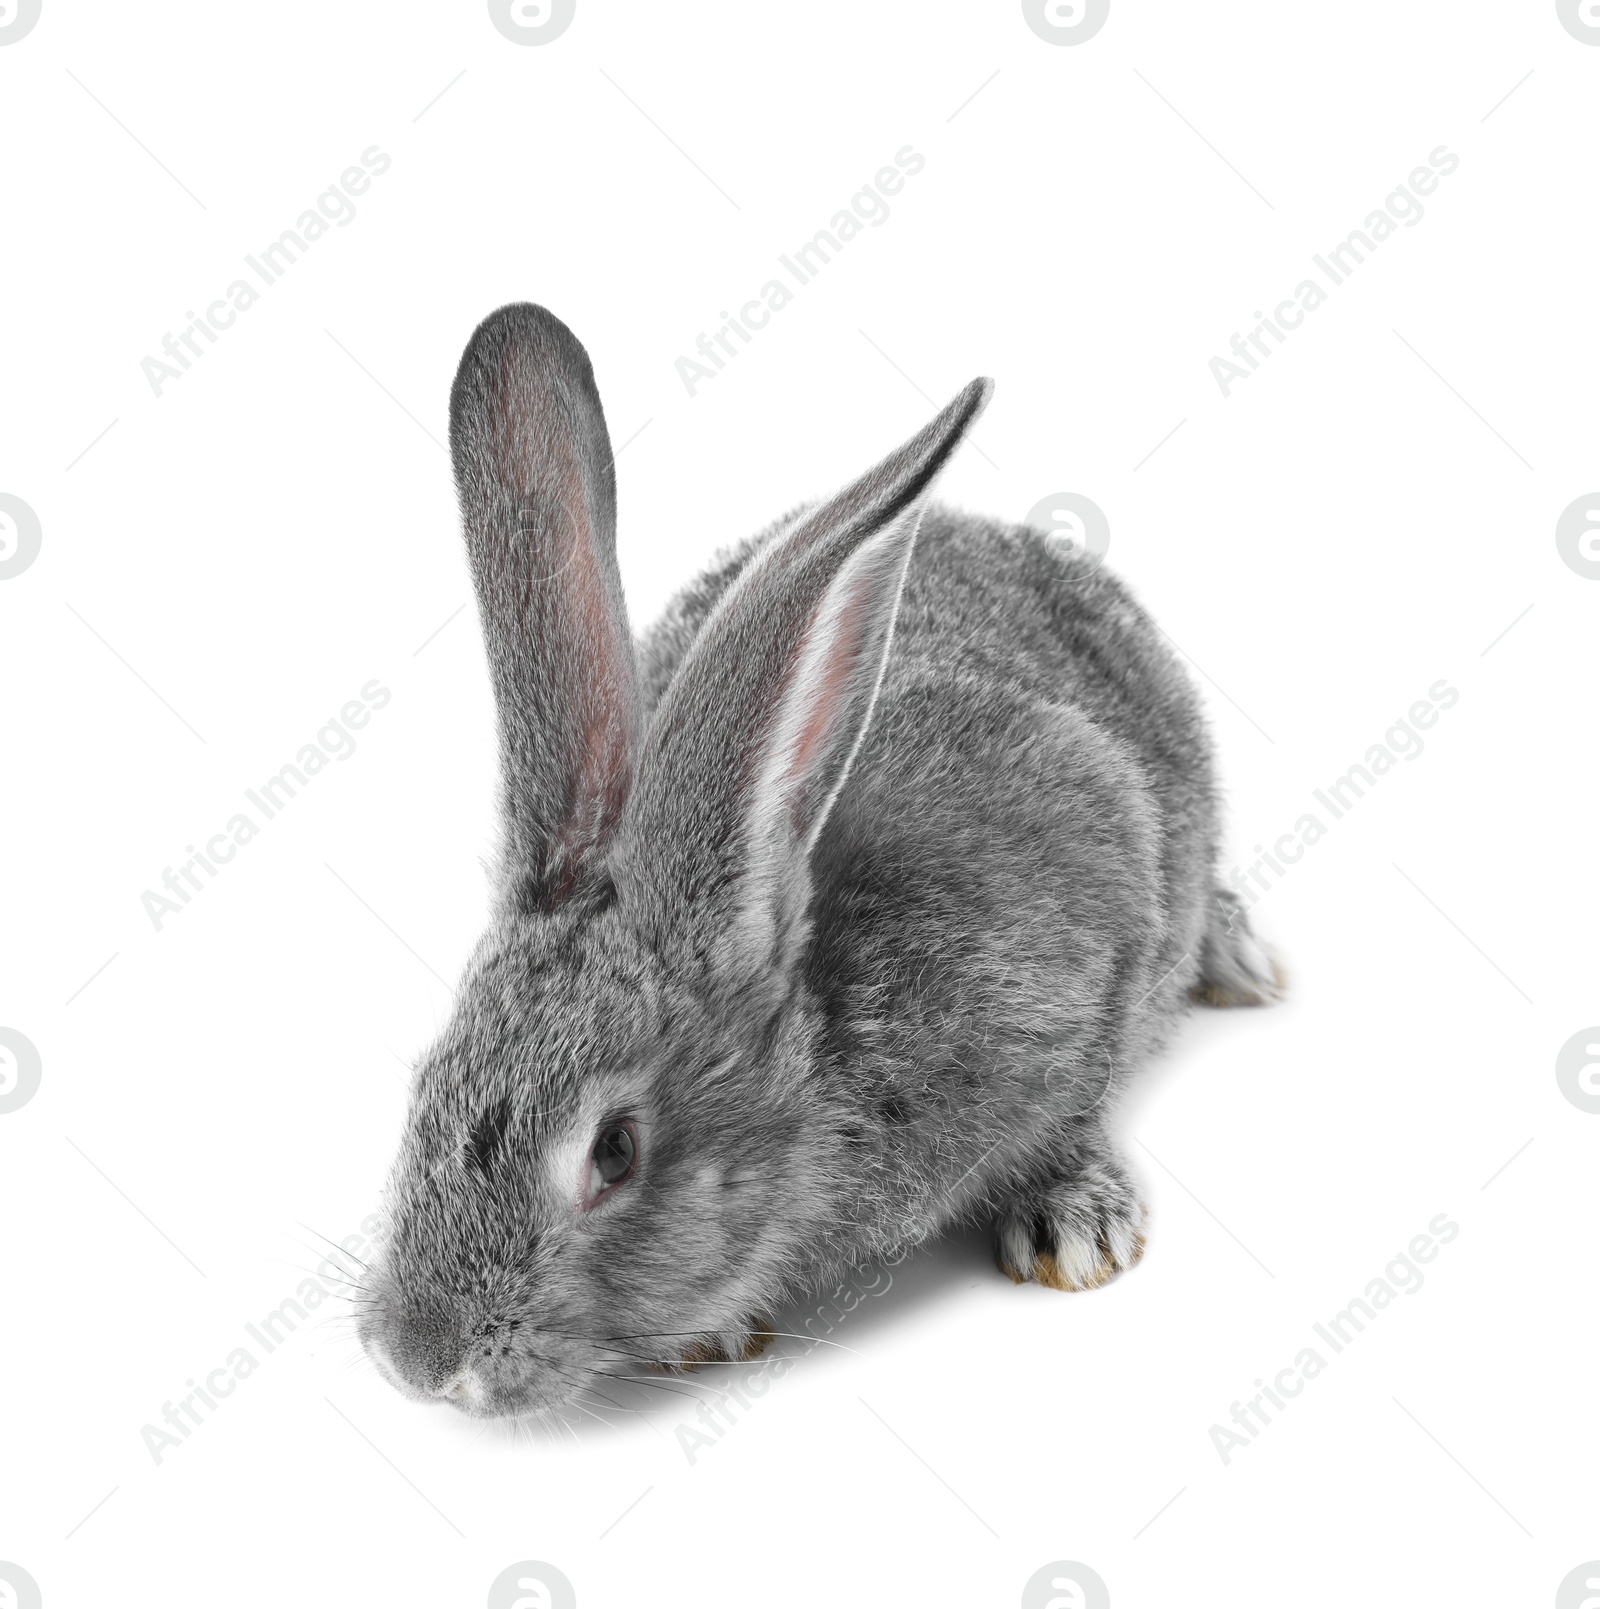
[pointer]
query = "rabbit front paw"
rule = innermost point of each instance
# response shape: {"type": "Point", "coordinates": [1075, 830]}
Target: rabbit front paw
{"type": "Point", "coordinates": [743, 1347]}
{"type": "Point", "coordinates": [1078, 1234]}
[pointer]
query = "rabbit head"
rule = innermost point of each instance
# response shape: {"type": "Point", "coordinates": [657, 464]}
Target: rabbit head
{"type": "Point", "coordinates": [618, 1146]}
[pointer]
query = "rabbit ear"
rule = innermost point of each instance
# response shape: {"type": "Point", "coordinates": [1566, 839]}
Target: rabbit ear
{"type": "Point", "coordinates": [533, 468]}
{"type": "Point", "coordinates": [756, 732]}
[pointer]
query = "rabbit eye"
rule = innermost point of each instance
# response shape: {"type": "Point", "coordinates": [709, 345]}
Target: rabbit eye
{"type": "Point", "coordinates": [612, 1161]}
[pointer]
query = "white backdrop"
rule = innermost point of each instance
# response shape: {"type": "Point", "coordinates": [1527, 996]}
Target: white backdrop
{"type": "Point", "coordinates": [231, 554]}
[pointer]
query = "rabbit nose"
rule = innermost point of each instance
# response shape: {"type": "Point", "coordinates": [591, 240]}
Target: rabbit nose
{"type": "Point", "coordinates": [417, 1347]}
{"type": "Point", "coordinates": [382, 1358]}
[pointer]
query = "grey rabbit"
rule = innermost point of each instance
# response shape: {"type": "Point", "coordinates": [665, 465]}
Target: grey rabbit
{"type": "Point", "coordinates": [835, 912]}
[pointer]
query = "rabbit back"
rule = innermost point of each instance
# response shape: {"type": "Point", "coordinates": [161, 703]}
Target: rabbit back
{"type": "Point", "coordinates": [1013, 891]}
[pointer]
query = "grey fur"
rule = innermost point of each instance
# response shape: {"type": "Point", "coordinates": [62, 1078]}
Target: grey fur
{"type": "Point", "coordinates": [863, 901]}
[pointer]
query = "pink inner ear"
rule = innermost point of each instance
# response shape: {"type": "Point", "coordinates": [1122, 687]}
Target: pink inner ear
{"type": "Point", "coordinates": [604, 762]}
{"type": "Point", "coordinates": [600, 788]}
{"type": "Point", "coordinates": [828, 695]}
{"type": "Point", "coordinates": [567, 616]}
{"type": "Point", "coordinates": [822, 700]}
